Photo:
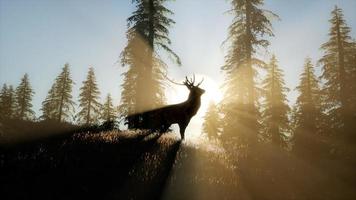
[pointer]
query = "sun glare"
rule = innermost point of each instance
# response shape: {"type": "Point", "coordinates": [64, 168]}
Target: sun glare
{"type": "Point", "coordinates": [178, 94]}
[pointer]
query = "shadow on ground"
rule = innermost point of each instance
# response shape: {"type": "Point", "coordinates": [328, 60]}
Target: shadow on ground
{"type": "Point", "coordinates": [107, 165]}
{"type": "Point", "coordinates": [137, 165]}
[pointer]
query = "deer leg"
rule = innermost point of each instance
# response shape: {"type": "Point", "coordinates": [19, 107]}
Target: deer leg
{"type": "Point", "coordinates": [182, 127]}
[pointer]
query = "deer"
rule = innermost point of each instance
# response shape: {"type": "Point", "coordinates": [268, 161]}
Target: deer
{"type": "Point", "coordinates": [162, 118]}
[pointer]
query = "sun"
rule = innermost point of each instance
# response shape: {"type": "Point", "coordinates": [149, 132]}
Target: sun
{"type": "Point", "coordinates": [213, 93]}
{"type": "Point", "coordinates": [178, 93]}
{"type": "Point", "coordinates": [212, 89]}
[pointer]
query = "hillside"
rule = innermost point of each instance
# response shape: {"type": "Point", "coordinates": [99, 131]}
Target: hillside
{"type": "Point", "coordinates": [134, 165]}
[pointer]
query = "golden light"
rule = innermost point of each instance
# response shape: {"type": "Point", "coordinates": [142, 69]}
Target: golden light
{"type": "Point", "coordinates": [178, 94]}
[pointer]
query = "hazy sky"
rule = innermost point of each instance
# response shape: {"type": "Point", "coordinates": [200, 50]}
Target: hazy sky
{"type": "Point", "coordinates": [39, 36]}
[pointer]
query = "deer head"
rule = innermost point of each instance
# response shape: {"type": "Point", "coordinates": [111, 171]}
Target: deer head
{"type": "Point", "coordinates": [195, 90]}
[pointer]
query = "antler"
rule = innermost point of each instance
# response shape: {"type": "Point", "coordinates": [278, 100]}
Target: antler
{"type": "Point", "coordinates": [187, 82]}
{"type": "Point", "coordinates": [165, 75]}
{"type": "Point", "coordinates": [200, 82]}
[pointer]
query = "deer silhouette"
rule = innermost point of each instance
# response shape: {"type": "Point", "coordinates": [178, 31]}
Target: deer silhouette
{"type": "Point", "coordinates": [162, 118]}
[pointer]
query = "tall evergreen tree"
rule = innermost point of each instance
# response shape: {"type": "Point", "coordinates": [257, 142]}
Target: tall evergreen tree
{"type": "Point", "coordinates": [63, 90]}
{"type": "Point", "coordinates": [336, 70]}
{"type": "Point", "coordinates": [129, 91]}
{"type": "Point", "coordinates": [7, 102]}
{"type": "Point", "coordinates": [24, 94]}
{"type": "Point", "coordinates": [276, 109]}
{"type": "Point", "coordinates": [89, 100]}
{"type": "Point", "coordinates": [211, 122]}
{"type": "Point", "coordinates": [50, 105]}
{"type": "Point", "coordinates": [108, 113]}
{"type": "Point", "coordinates": [3, 96]}
{"type": "Point", "coordinates": [308, 111]}
{"type": "Point", "coordinates": [241, 116]}
{"type": "Point", "coordinates": [352, 81]}
{"type": "Point", "coordinates": [147, 32]}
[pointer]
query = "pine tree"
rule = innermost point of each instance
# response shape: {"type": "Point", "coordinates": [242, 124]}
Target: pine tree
{"type": "Point", "coordinates": [108, 113]}
{"type": "Point", "coordinates": [308, 111]}
{"type": "Point", "coordinates": [7, 102]}
{"type": "Point", "coordinates": [63, 90]}
{"type": "Point", "coordinates": [50, 105]}
{"type": "Point", "coordinates": [335, 72]}
{"type": "Point", "coordinates": [211, 121]}
{"type": "Point", "coordinates": [143, 87]}
{"type": "Point", "coordinates": [129, 92]}
{"type": "Point", "coordinates": [352, 82]}
{"type": "Point", "coordinates": [24, 94]}
{"type": "Point", "coordinates": [89, 100]}
{"type": "Point", "coordinates": [239, 107]}
{"type": "Point", "coordinates": [276, 109]}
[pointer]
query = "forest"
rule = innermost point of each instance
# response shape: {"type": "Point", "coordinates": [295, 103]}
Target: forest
{"type": "Point", "coordinates": [254, 145]}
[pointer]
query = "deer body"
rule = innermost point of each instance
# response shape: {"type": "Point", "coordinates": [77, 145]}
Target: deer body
{"type": "Point", "coordinates": [162, 118]}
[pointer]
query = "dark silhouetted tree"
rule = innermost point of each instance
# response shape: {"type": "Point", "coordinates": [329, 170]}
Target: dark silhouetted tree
{"type": "Point", "coordinates": [89, 100]}
{"type": "Point", "coordinates": [63, 90]}
{"type": "Point", "coordinates": [7, 102]}
{"type": "Point", "coordinates": [275, 107]}
{"type": "Point", "coordinates": [108, 110]}
{"type": "Point", "coordinates": [148, 32]}
{"type": "Point", "coordinates": [308, 111]}
{"type": "Point", "coordinates": [24, 94]}
{"type": "Point", "coordinates": [50, 105]}
{"type": "Point", "coordinates": [211, 122]}
{"type": "Point", "coordinates": [336, 71]}
{"type": "Point", "coordinates": [239, 107]}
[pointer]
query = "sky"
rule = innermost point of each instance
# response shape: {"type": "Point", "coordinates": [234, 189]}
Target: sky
{"type": "Point", "coordinates": [39, 36]}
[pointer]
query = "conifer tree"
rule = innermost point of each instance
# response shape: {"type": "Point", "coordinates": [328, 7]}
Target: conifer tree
{"type": "Point", "coordinates": [239, 107]}
{"type": "Point", "coordinates": [308, 110]}
{"type": "Point", "coordinates": [24, 94]}
{"type": "Point", "coordinates": [211, 121]}
{"type": "Point", "coordinates": [129, 92]}
{"type": "Point", "coordinates": [50, 105]}
{"type": "Point", "coordinates": [7, 102]}
{"type": "Point", "coordinates": [352, 81]}
{"type": "Point", "coordinates": [276, 109]}
{"type": "Point", "coordinates": [63, 90]}
{"type": "Point", "coordinates": [148, 31]}
{"type": "Point", "coordinates": [109, 113]}
{"type": "Point", "coordinates": [89, 100]}
{"type": "Point", "coordinates": [336, 71]}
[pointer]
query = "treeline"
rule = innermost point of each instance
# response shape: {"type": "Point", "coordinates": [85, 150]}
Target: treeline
{"type": "Point", "coordinates": [323, 120]}
{"type": "Point", "coordinates": [252, 111]}
{"type": "Point", "coordinates": [59, 104]}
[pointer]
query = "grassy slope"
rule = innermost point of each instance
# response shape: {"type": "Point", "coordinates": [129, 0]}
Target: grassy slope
{"type": "Point", "coordinates": [131, 165]}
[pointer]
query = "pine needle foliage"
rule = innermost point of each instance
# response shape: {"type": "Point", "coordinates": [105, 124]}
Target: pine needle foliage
{"type": "Point", "coordinates": [337, 70]}
{"type": "Point", "coordinates": [89, 99]}
{"type": "Point", "coordinates": [147, 34]}
{"type": "Point", "coordinates": [7, 102]}
{"type": "Point", "coordinates": [241, 115]}
{"type": "Point", "coordinates": [211, 122]}
{"type": "Point", "coordinates": [108, 110]}
{"type": "Point", "coordinates": [275, 106]}
{"type": "Point", "coordinates": [308, 116]}
{"type": "Point", "coordinates": [23, 95]}
{"type": "Point", "coordinates": [63, 89]}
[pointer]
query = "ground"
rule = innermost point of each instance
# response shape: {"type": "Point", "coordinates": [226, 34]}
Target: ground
{"type": "Point", "coordinates": [134, 165]}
